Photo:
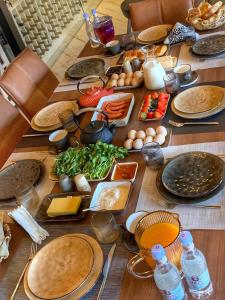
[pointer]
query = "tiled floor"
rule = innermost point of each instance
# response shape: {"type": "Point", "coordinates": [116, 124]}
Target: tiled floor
{"type": "Point", "coordinates": [106, 7]}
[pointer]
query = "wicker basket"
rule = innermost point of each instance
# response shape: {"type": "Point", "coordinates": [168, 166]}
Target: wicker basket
{"type": "Point", "coordinates": [201, 24]}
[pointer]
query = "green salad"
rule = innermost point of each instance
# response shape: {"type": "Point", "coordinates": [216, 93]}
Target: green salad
{"type": "Point", "coordinates": [94, 160]}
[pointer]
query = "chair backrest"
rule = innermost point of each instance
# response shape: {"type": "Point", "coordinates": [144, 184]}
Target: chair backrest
{"type": "Point", "coordinates": [154, 12]}
{"type": "Point", "coordinates": [12, 127]}
{"type": "Point", "coordinates": [28, 82]}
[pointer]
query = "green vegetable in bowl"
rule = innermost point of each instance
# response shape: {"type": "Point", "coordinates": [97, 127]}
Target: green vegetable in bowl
{"type": "Point", "coordinates": [94, 160]}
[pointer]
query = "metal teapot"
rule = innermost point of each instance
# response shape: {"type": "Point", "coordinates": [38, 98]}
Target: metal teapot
{"type": "Point", "coordinates": [95, 130]}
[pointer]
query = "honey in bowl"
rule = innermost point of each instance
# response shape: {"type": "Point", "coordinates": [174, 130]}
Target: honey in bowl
{"type": "Point", "coordinates": [125, 171]}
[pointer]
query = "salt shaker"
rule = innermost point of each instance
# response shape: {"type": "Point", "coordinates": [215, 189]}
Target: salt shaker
{"type": "Point", "coordinates": [65, 183]}
{"type": "Point", "coordinates": [82, 183]}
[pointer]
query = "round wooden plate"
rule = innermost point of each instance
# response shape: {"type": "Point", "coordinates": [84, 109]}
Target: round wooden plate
{"type": "Point", "coordinates": [154, 33]}
{"type": "Point", "coordinates": [64, 265]}
{"type": "Point", "coordinates": [91, 279]}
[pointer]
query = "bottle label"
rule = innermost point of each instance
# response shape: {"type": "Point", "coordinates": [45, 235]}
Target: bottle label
{"type": "Point", "coordinates": [176, 294]}
{"type": "Point", "coordinates": [198, 282]}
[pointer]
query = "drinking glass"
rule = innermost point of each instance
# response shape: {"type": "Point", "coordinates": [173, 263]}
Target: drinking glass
{"type": "Point", "coordinates": [104, 29]}
{"type": "Point", "coordinates": [67, 119]}
{"type": "Point", "coordinates": [172, 83]}
{"type": "Point", "coordinates": [105, 227]}
{"type": "Point", "coordinates": [149, 51]}
{"type": "Point", "coordinates": [27, 196]}
{"type": "Point", "coordinates": [153, 155]}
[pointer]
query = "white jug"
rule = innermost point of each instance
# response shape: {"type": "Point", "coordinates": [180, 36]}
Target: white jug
{"type": "Point", "coordinates": [153, 74]}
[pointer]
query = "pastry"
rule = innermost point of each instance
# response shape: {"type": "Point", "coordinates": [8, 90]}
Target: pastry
{"type": "Point", "coordinates": [160, 50]}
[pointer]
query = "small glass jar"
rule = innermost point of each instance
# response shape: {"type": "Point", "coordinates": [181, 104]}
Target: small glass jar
{"type": "Point", "coordinates": [172, 83]}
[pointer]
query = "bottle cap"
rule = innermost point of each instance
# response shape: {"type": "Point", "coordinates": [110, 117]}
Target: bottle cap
{"type": "Point", "coordinates": [185, 238]}
{"type": "Point", "coordinates": [158, 252]}
{"type": "Point", "coordinates": [94, 11]}
{"type": "Point", "coordinates": [85, 15]}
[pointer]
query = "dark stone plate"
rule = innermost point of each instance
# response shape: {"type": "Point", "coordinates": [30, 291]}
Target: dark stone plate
{"type": "Point", "coordinates": [210, 46]}
{"type": "Point", "coordinates": [193, 174]}
{"type": "Point", "coordinates": [27, 171]}
{"type": "Point", "coordinates": [182, 200]}
{"type": "Point", "coordinates": [42, 216]}
{"type": "Point", "coordinates": [90, 66]}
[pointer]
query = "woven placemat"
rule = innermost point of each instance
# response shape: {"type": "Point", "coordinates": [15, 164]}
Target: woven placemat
{"type": "Point", "coordinates": [220, 117]}
{"type": "Point", "coordinates": [112, 287]}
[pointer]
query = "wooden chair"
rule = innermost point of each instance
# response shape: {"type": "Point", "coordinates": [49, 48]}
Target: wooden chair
{"type": "Point", "coordinates": [148, 13]}
{"type": "Point", "coordinates": [28, 83]}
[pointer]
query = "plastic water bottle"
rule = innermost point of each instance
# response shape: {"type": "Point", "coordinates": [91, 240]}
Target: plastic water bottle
{"type": "Point", "coordinates": [90, 32]}
{"type": "Point", "coordinates": [195, 268]}
{"type": "Point", "coordinates": [95, 16]}
{"type": "Point", "coordinates": [167, 277]}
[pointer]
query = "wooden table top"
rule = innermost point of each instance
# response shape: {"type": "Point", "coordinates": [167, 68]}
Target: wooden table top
{"type": "Point", "coordinates": [211, 242]}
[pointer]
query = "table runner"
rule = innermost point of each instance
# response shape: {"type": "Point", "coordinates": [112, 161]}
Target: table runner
{"type": "Point", "coordinates": [112, 288]}
{"type": "Point", "coordinates": [185, 57]}
{"type": "Point", "coordinates": [46, 185]}
{"type": "Point", "coordinates": [191, 217]}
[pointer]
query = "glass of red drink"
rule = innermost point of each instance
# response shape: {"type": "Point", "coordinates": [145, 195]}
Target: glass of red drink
{"type": "Point", "coordinates": [104, 29]}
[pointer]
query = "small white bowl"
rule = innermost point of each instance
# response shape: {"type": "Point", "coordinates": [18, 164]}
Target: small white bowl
{"type": "Point", "coordinates": [123, 179]}
{"type": "Point", "coordinates": [133, 219]}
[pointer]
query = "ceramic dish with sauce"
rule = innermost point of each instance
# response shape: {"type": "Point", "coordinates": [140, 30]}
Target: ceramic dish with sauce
{"type": "Point", "coordinates": [125, 171]}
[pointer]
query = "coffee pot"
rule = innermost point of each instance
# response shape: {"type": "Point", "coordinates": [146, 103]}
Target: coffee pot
{"type": "Point", "coordinates": [95, 130]}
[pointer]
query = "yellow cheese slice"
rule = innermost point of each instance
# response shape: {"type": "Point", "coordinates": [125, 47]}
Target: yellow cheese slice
{"type": "Point", "coordinates": [64, 206]}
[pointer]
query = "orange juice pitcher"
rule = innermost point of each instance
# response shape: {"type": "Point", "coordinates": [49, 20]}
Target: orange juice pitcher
{"type": "Point", "coordinates": [158, 227]}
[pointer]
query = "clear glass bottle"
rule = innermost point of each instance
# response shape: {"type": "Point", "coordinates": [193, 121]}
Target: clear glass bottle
{"type": "Point", "coordinates": [166, 276]}
{"type": "Point", "coordinates": [90, 32]}
{"type": "Point", "coordinates": [195, 268]}
{"type": "Point", "coordinates": [95, 16]}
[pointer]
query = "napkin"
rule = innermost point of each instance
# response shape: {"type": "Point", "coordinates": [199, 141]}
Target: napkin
{"type": "Point", "coordinates": [4, 251]}
{"type": "Point", "coordinates": [181, 33]}
{"type": "Point", "coordinates": [24, 218]}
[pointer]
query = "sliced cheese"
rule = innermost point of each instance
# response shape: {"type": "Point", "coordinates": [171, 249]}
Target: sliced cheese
{"type": "Point", "coordinates": [64, 206]}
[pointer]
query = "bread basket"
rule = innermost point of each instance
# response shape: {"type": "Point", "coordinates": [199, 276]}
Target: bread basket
{"type": "Point", "coordinates": [207, 16]}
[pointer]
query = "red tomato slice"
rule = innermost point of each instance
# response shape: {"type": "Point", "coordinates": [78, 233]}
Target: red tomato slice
{"type": "Point", "coordinates": [147, 97]}
{"type": "Point", "coordinates": [161, 106]}
{"type": "Point", "coordinates": [144, 109]}
{"type": "Point", "coordinates": [158, 114]}
{"type": "Point", "coordinates": [150, 115]}
{"type": "Point", "coordinates": [155, 95]}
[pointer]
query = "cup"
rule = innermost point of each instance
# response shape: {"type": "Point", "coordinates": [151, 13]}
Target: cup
{"type": "Point", "coordinates": [59, 139]}
{"type": "Point", "coordinates": [105, 227]}
{"type": "Point", "coordinates": [184, 73]}
{"type": "Point", "coordinates": [27, 196]}
{"type": "Point", "coordinates": [158, 227]}
{"type": "Point", "coordinates": [149, 51]}
{"type": "Point", "coordinates": [172, 83]}
{"type": "Point", "coordinates": [67, 119]}
{"type": "Point", "coordinates": [153, 155]}
{"type": "Point", "coordinates": [113, 47]}
{"type": "Point", "coordinates": [133, 220]}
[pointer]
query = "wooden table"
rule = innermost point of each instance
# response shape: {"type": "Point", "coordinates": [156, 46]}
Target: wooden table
{"type": "Point", "coordinates": [211, 242]}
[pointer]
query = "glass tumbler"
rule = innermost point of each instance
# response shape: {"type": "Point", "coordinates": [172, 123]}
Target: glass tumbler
{"type": "Point", "coordinates": [153, 155]}
{"type": "Point", "coordinates": [67, 119]}
{"type": "Point", "coordinates": [105, 227]}
{"type": "Point", "coordinates": [172, 83]}
{"type": "Point", "coordinates": [27, 196]}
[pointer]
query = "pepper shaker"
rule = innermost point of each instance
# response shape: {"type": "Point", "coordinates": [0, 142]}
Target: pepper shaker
{"type": "Point", "coordinates": [65, 183]}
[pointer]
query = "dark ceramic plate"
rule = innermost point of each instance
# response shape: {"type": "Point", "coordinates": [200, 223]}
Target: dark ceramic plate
{"type": "Point", "coordinates": [210, 46]}
{"type": "Point", "coordinates": [27, 171]}
{"type": "Point", "coordinates": [183, 200]}
{"type": "Point", "coordinates": [42, 216]}
{"type": "Point", "coordinates": [193, 174]}
{"type": "Point", "coordinates": [90, 66]}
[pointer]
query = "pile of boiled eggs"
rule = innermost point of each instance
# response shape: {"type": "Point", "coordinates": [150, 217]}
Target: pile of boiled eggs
{"type": "Point", "coordinates": [136, 139]}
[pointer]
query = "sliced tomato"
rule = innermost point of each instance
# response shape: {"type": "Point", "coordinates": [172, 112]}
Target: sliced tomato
{"type": "Point", "coordinates": [150, 115]}
{"type": "Point", "coordinates": [163, 95]}
{"type": "Point", "coordinates": [144, 109]}
{"type": "Point", "coordinates": [147, 97]}
{"type": "Point", "coordinates": [161, 106]}
{"type": "Point", "coordinates": [158, 114]}
{"type": "Point", "coordinates": [147, 102]}
{"type": "Point", "coordinates": [155, 95]}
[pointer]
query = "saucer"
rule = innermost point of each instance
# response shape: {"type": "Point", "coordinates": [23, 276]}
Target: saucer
{"type": "Point", "coordinates": [192, 81]}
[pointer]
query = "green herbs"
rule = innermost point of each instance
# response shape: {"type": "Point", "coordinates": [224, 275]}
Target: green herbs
{"type": "Point", "coordinates": [93, 161]}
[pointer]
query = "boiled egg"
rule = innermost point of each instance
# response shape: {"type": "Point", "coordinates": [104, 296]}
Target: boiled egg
{"type": "Point", "coordinates": [161, 130]}
{"type": "Point", "coordinates": [148, 139]}
{"type": "Point", "coordinates": [150, 132]}
{"type": "Point", "coordinates": [128, 144]}
{"type": "Point", "coordinates": [138, 144]}
{"type": "Point", "coordinates": [115, 76]}
{"type": "Point", "coordinates": [122, 75]}
{"type": "Point", "coordinates": [160, 139]}
{"type": "Point", "coordinates": [141, 134]}
{"type": "Point", "coordinates": [132, 134]}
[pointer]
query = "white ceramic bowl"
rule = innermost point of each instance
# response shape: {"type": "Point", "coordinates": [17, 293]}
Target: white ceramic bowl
{"type": "Point", "coordinates": [133, 219]}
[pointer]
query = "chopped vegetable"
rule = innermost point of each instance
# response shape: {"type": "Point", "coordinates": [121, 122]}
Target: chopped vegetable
{"type": "Point", "coordinates": [94, 160]}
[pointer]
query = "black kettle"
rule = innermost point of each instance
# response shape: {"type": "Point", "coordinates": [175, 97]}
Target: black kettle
{"type": "Point", "coordinates": [95, 130]}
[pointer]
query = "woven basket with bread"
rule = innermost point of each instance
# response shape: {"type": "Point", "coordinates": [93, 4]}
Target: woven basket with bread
{"type": "Point", "coordinates": [207, 16]}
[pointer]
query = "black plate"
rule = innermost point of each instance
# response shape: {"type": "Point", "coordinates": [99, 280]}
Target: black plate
{"type": "Point", "coordinates": [210, 46]}
{"type": "Point", "coordinates": [42, 216]}
{"type": "Point", "coordinates": [182, 200]}
{"type": "Point", "coordinates": [193, 174]}
{"type": "Point", "coordinates": [27, 171]}
{"type": "Point", "coordinates": [86, 67]}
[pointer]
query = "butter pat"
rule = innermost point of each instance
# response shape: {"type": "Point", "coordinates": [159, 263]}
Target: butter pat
{"type": "Point", "coordinates": [64, 206]}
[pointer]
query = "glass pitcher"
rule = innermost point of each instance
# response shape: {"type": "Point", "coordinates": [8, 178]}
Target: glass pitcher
{"type": "Point", "coordinates": [153, 74]}
{"type": "Point", "coordinates": [165, 227]}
